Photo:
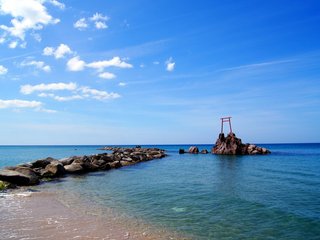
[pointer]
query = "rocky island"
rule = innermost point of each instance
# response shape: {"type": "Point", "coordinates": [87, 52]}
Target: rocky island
{"type": "Point", "coordinates": [231, 145]}
{"type": "Point", "coordinates": [49, 168]}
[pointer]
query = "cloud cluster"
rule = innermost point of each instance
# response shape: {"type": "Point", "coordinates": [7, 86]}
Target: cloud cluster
{"type": "Point", "coordinates": [98, 20]}
{"type": "Point", "coordinates": [57, 4]}
{"type": "Point", "coordinates": [60, 52]}
{"type": "Point", "coordinates": [28, 89]}
{"type": "Point", "coordinates": [18, 103]}
{"type": "Point", "coordinates": [170, 64]}
{"type": "Point", "coordinates": [75, 64]}
{"type": "Point", "coordinates": [3, 70]}
{"type": "Point", "coordinates": [77, 92]}
{"type": "Point", "coordinates": [26, 15]}
{"type": "Point", "coordinates": [81, 24]}
{"type": "Point", "coordinates": [37, 64]}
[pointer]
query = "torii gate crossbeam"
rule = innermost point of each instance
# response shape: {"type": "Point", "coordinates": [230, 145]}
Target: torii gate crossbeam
{"type": "Point", "coordinates": [226, 119]}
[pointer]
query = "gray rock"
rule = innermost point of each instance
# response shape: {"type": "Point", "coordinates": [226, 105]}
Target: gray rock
{"type": "Point", "coordinates": [127, 159]}
{"type": "Point", "coordinates": [66, 161]}
{"type": "Point", "coordinates": [74, 168]}
{"type": "Point", "coordinates": [20, 176]}
{"type": "Point", "coordinates": [42, 163]}
{"type": "Point", "coordinates": [115, 164]}
{"type": "Point", "coordinates": [54, 169]}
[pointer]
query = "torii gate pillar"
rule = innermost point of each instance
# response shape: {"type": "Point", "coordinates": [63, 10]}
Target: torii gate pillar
{"type": "Point", "coordinates": [226, 119]}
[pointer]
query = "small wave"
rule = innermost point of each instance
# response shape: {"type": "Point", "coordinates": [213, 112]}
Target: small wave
{"type": "Point", "coordinates": [179, 209]}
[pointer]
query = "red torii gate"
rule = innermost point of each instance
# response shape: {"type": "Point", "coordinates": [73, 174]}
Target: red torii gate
{"type": "Point", "coordinates": [226, 119]}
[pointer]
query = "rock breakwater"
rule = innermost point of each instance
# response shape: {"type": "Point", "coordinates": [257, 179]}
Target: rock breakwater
{"type": "Point", "coordinates": [40, 170]}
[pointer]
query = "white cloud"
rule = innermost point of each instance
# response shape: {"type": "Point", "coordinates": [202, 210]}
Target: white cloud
{"type": "Point", "coordinates": [62, 50]}
{"type": "Point", "coordinates": [81, 24]}
{"type": "Point", "coordinates": [19, 104]}
{"type": "Point", "coordinates": [45, 110]}
{"type": "Point", "coordinates": [59, 52]}
{"type": "Point", "coordinates": [98, 19]}
{"type": "Point", "coordinates": [16, 103]}
{"type": "Point", "coordinates": [114, 62]}
{"type": "Point", "coordinates": [2, 40]}
{"type": "Point", "coordinates": [107, 75]}
{"type": "Point", "coordinates": [26, 15]}
{"type": "Point", "coordinates": [75, 64]}
{"type": "Point", "coordinates": [36, 37]}
{"type": "Point", "coordinates": [28, 89]}
{"type": "Point", "coordinates": [13, 44]}
{"type": "Point", "coordinates": [48, 51]}
{"type": "Point", "coordinates": [68, 98]}
{"type": "Point", "coordinates": [45, 95]}
{"type": "Point", "coordinates": [3, 70]}
{"type": "Point", "coordinates": [100, 25]}
{"type": "Point", "coordinates": [57, 4]}
{"type": "Point", "coordinates": [156, 62]}
{"type": "Point", "coordinates": [78, 92]}
{"type": "Point", "coordinates": [37, 64]}
{"type": "Point", "coordinates": [170, 65]}
{"type": "Point", "coordinates": [122, 84]}
{"type": "Point", "coordinates": [97, 94]}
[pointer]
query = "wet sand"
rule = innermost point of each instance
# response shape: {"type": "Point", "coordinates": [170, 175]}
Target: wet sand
{"type": "Point", "coordinates": [40, 215]}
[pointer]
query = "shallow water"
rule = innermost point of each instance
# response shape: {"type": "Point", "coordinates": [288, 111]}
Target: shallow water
{"type": "Point", "coordinates": [204, 196]}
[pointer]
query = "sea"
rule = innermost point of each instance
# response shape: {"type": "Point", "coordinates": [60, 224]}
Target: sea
{"type": "Point", "coordinates": [202, 196]}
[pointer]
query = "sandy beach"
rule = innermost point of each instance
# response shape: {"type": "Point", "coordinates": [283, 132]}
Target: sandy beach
{"type": "Point", "coordinates": [40, 215]}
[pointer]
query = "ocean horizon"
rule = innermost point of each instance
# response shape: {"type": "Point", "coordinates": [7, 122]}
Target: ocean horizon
{"type": "Point", "coordinates": [201, 196]}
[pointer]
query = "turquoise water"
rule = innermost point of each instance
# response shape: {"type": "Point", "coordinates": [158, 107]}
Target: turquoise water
{"type": "Point", "coordinates": [275, 196]}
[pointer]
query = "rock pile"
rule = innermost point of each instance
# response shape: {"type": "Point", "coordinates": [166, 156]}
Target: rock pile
{"type": "Point", "coordinates": [37, 171]}
{"type": "Point", "coordinates": [193, 150]}
{"type": "Point", "coordinates": [231, 145]}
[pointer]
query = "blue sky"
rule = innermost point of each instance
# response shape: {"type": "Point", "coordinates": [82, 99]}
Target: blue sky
{"type": "Point", "coordinates": [158, 72]}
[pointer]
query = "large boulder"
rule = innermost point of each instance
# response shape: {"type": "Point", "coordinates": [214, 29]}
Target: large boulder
{"type": "Point", "coordinates": [21, 176]}
{"type": "Point", "coordinates": [54, 169]}
{"type": "Point", "coordinates": [193, 149]}
{"type": "Point", "coordinates": [231, 145]}
{"type": "Point", "coordinates": [204, 151]}
{"type": "Point", "coordinates": [181, 151]}
{"type": "Point", "coordinates": [66, 161]}
{"type": "Point", "coordinates": [115, 164]}
{"type": "Point", "coordinates": [74, 168]}
{"type": "Point", "coordinates": [42, 163]}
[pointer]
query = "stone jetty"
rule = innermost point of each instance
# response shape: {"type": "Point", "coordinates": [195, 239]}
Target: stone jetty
{"type": "Point", "coordinates": [49, 168]}
{"type": "Point", "coordinates": [231, 145]}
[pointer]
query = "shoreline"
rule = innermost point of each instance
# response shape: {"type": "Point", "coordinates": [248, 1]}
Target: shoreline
{"type": "Point", "coordinates": [38, 212]}
{"type": "Point", "coordinates": [44, 215]}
